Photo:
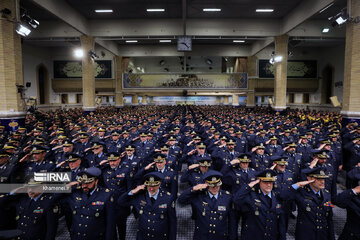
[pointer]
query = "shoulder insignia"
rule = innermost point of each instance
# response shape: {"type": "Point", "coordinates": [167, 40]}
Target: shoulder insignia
{"type": "Point", "coordinates": [227, 192]}
{"type": "Point", "coordinates": [327, 191]}
{"type": "Point", "coordinates": [168, 193]}
{"type": "Point", "coordinates": [107, 190]}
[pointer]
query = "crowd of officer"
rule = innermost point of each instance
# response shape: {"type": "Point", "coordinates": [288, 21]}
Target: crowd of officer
{"type": "Point", "coordinates": [245, 169]}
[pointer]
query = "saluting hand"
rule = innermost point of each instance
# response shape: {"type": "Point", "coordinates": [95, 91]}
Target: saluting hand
{"type": "Point", "coordinates": [314, 162]}
{"type": "Point", "coordinates": [137, 189]}
{"type": "Point", "coordinates": [253, 183]}
{"type": "Point", "coordinates": [149, 166]}
{"type": "Point", "coordinates": [235, 161]}
{"type": "Point", "coordinates": [200, 186]}
{"type": "Point", "coordinates": [357, 189]}
{"type": "Point", "coordinates": [304, 183]}
{"type": "Point", "coordinates": [273, 166]}
{"type": "Point", "coordinates": [103, 162]}
{"type": "Point", "coordinates": [192, 166]}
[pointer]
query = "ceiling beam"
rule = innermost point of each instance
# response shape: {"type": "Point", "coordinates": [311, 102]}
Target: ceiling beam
{"type": "Point", "coordinates": [302, 12]}
{"type": "Point", "coordinates": [62, 10]}
{"type": "Point", "coordinates": [260, 45]}
{"type": "Point", "coordinates": [66, 13]}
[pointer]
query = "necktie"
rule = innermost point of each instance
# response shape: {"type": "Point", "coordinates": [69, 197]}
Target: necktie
{"type": "Point", "coordinates": [268, 199]}
{"type": "Point", "coordinates": [152, 200]}
{"type": "Point", "coordinates": [213, 201]}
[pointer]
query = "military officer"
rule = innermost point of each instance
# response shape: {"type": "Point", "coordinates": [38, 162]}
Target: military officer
{"type": "Point", "coordinates": [262, 209]}
{"type": "Point", "coordinates": [259, 160]}
{"type": "Point", "coordinates": [6, 168]}
{"type": "Point", "coordinates": [93, 208]}
{"type": "Point", "coordinates": [154, 207]}
{"type": "Point", "coordinates": [238, 173]}
{"type": "Point", "coordinates": [115, 144]}
{"type": "Point", "coordinates": [116, 175]}
{"type": "Point", "coordinates": [195, 172]}
{"type": "Point", "coordinates": [350, 200]}
{"type": "Point", "coordinates": [314, 220]}
{"type": "Point", "coordinates": [169, 182]}
{"type": "Point", "coordinates": [36, 212]}
{"type": "Point", "coordinates": [272, 148]}
{"type": "Point", "coordinates": [96, 155]}
{"type": "Point", "coordinates": [213, 208]}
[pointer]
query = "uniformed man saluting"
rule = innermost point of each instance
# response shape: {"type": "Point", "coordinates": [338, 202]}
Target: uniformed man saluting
{"type": "Point", "coordinates": [154, 207]}
{"type": "Point", "coordinates": [314, 221]}
{"type": "Point", "coordinates": [213, 209]}
{"type": "Point", "coordinates": [92, 207]}
{"type": "Point", "coordinates": [263, 216]}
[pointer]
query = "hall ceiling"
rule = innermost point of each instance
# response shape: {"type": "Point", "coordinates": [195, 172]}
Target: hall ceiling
{"type": "Point", "coordinates": [68, 19]}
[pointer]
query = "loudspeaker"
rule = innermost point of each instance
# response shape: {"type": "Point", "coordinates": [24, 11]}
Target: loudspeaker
{"type": "Point", "coordinates": [334, 101]}
{"type": "Point", "coordinates": [28, 84]}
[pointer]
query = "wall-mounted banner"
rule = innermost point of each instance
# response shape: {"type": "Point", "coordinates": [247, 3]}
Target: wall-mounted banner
{"type": "Point", "coordinates": [201, 81]}
{"type": "Point", "coordinates": [295, 69]}
{"type": "Point", "coordinates": [73, 69]}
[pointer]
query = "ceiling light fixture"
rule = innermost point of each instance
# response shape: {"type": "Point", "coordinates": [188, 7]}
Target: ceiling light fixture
{"type": "Point", "coordinates": [103, 10]}
{"type": "Point", "coordinates": [238, 41]}
{"type": "Point", "coordinates": [212, 9]}
{"type": "Point", "coordinates": [165, 41]}
{"type": "Point", "coordinates": [22, 30]}
{"type": "Point", "coordinates": [131, 41]}
{"type": "Point", "coordinates": [78, 53]}
{"type": "Point", "coordinates": [264, 10]}
{"type": "Point", "coordinates": [326, 30]}
{"type": "Point", "coordinates": [155, 10]}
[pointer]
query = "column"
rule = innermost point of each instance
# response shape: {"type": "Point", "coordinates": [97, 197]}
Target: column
{"type": "Point", "coordinates": [351, 89]}
{"type": "Point", "coordinates": [121, 66]}
{"type": "Point", "coordinates": [252, 77]}
{"type": "Point", "coordinates": [226, 100]}
{"type": "Point", "coordinates": [144, 100]}
{"type": "Point", "coordinates": [218, 100]}
{"type": "Point", "coordinates": [118, 82]}
{"type": "Point", "coordinates": [135, 99]}
{"type": "Point", "coordinates": [235, 100]}
{"type": "Point", "coordinates": [12, 107]}
{"type": "Point", "coordinates": [88, 74]}
{"type": "Point", "coordinates": [281, 49]}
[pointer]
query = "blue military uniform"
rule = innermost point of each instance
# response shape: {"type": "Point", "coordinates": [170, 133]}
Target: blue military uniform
{"type": "Point", "coordinates": [214, 215]}
{"type": "Point", "coordinates": [94, 212]}
{"type": "Point", "coordinates": [235, 176]}
{"type": "Point", "coordinates": [351, 202]}
{"type": "Point", "coordinates": [263, 215]}
{"type": "Point", "coordinates": [314, 220]}
{"type": "Point", "coordinates": [157, 216]}
{"type": "Point", "coordinates": [195, 176]}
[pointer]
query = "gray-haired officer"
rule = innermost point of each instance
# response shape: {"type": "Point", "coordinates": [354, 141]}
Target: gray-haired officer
{"type": "Point", "coordinates": [213, 208]}
{"type": "Point", "coordinates": [93, 208]}
{"type": "Point", "coordinates": [261, 208]}
{"type": "Point", "coordinates": [154, 207]}
{"type": "Point", "coordinates": [314, 221]}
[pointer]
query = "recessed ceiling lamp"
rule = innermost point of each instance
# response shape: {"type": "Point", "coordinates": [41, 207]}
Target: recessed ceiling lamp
{"type": "Point", "coordinates": [238, 41]}
{"type": "Point", "coordinates": [155, 10]}
{"type": "Point", "coordinates": [212, 10]}
{"type": "Point", "coordinates": [131, 41]}
{"type": "Point", "coordinates": [264, 10]}
{"type": "Point", "coordinates": [165, 41]}
{"type": "Point", "coordinates": [103, 10]}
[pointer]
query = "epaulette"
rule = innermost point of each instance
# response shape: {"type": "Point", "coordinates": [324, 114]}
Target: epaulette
{"type": "Point", "coordinates": [227, 192]}
{"type": "Point", "coordinates": [168, 193]}
{"type": "Point", "coordinates": [107, 190]}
